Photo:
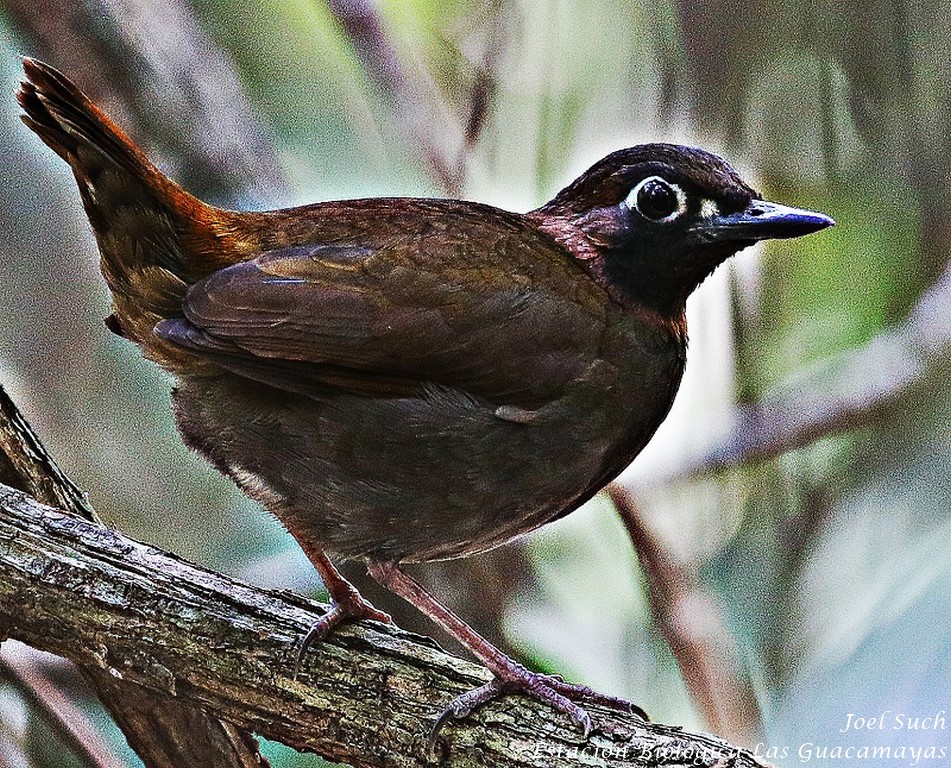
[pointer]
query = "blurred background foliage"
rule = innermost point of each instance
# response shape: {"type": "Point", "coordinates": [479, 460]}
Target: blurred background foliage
{"type": "Point", "coordinates": [769, 595]}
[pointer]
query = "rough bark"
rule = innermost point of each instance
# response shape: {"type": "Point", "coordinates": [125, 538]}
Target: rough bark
{"type": "Point", "coordinates": [182, 635]}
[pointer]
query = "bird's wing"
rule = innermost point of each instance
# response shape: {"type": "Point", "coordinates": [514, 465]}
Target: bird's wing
{"type": "Point", "coordinates": [379, 322]}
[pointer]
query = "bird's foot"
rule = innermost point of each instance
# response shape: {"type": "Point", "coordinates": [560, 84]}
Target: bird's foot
{"type": "Point", "coordinates": [548, 689]}
{"type": "Point", "coordinates": [353, 607]}
{"type": "Point", "coordinates": [577, 692]}
{"type": "Point", "coordinates": [510, 676]}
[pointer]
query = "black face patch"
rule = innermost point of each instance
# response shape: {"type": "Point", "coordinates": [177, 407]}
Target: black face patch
{"type": "Point", "coordinates": [642, 208]}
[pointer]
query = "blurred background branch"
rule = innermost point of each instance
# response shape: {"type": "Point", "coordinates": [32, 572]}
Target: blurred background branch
{"type": "Point", "coordinates": [843, 392]}
{"type": "Point", "coordinates": [692, 623]}
{"type": "Point", "coordinates": [152, 67]}
{"type": "Point", "coordinates": [414, 102]}
{"type": "Point", "coordinates": [20, 666]}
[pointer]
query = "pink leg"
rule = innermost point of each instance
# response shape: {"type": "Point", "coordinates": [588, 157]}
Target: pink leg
{"type": "Point", "coordinates": [510, 676]}
{"type": "Point", "coordinates": [347, 604]}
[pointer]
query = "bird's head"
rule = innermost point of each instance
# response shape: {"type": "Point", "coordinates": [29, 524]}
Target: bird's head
{"type": "Point", "coordinates": [649, 223]}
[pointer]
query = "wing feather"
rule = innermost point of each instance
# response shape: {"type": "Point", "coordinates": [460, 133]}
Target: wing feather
{"type": "Point", "coordinates": [370, 321]}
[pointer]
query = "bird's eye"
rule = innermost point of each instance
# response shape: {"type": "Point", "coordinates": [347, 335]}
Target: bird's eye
{"type": "Point", "coordinates": [657, 199]}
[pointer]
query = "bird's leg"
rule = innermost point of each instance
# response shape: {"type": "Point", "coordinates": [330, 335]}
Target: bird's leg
{"type": "Point", "coordinates": [347, 604]}
{"type": "Point", "coordinates": [510, 676]}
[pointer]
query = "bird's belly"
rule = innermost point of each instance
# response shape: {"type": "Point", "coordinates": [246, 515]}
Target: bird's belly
{"type": "Point", "coordinates": [423, 478]}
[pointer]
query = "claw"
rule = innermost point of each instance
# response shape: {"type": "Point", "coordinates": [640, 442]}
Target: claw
{"type": "Point", "coordinates": [584, 693]}
{"type": "Point", "coordinates": [338, 614]}
{"type": "Point", "coordinates": [548, 689]}
{"type": "Point", "coordinates": [464, 705]}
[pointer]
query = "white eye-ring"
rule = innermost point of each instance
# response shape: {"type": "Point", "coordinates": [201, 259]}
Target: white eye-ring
{"type": "Point", "coordinates": [657, 199]}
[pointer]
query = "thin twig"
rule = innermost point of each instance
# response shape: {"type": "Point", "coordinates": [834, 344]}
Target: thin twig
{"type": "Point", "coordinates": [693, 625]}
{"type": "Point", "coordinates": [64, 718]}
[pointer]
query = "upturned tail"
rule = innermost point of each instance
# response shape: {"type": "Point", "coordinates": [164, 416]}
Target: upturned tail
{"type": "Point", "coordinates": [154, 237]}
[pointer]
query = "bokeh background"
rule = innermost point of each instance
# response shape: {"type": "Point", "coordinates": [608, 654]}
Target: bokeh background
{"type": "Point", "coordinates": [783, 558]}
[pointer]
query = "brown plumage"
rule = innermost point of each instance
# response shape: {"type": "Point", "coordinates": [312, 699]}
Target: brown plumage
{"type": "Point", "coordinates": [406, 379]}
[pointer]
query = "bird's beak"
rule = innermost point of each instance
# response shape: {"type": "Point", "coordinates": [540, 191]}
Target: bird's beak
{"type": "Point", "coordinates": [761, 220]}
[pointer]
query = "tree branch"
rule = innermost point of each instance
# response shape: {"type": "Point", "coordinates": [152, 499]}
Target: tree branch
{"type": "Point", "coordinates": [25, 464]}
{"type": "Point", "coordinates": [166, 734]}
{"type": "Point", "coordinates": [367, 696]}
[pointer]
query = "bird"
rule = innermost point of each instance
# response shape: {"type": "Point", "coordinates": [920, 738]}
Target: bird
{"type": "Point", "coordinates": [404, 380]}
